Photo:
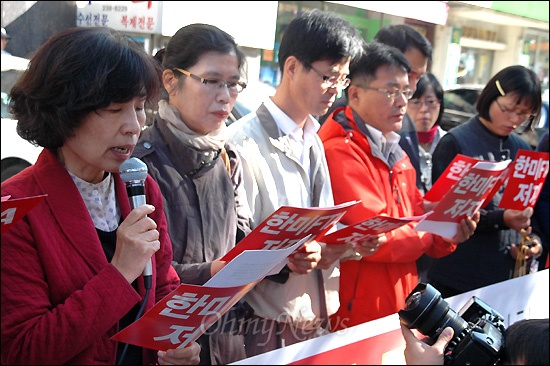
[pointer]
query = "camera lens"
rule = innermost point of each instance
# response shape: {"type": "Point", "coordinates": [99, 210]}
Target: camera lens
{"type": "Point", "coordinates": [426, 311]}
{"type": "Point", "coordinates": [413, 300]}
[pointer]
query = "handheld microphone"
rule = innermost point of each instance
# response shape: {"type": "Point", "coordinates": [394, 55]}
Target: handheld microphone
{"type": "Point", "coordinates": [133, 173]}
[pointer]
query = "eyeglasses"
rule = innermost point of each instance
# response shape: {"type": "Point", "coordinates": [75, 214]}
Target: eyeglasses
{"type": "Point", "coordinates": [234, 87]}
{"type": "Point", "coordinates": [407, 93]}
{"type": "Point", "coordinates": [429, 103]}
{"type": "Point", "coordinates": [522, 116]}
{"type": "Point", "coordinates": [330, 81]}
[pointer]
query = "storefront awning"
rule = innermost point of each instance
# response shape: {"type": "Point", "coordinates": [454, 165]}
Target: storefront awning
{"type": "Point", "coordinates": [427, 11]}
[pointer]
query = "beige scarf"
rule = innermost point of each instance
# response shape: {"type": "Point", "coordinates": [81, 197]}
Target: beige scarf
{"type": "Point", "coordinates": [214, 140]}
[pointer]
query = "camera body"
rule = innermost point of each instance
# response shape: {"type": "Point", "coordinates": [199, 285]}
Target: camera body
{"type": "Point", "coordinates": [479, 330]}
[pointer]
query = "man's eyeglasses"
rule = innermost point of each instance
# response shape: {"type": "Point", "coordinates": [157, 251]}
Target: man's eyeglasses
{"type": "Point", "coordinates": [234, 87]}
{"type": "Point", "coordinates": [522, 116]}
{"type": "Point", "coordinates": [391, 94]}
{"type": "Point", "coordinates": [330, 81]}
{"type": "Point", "coordinates": [429, 103]}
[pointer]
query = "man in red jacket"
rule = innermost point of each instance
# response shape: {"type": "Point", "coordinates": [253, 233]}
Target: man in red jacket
{"type": "Point", "coordinates": [366, 163]}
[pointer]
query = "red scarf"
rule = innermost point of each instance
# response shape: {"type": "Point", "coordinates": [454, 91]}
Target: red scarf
{"type": "Point", "coordinates": [428, 136]}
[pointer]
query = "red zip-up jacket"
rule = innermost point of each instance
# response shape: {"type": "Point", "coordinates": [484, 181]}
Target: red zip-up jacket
{"type": "Point", "coordinates": [61, 299]}
{"type": "Point", "coordinates": [375, 286]}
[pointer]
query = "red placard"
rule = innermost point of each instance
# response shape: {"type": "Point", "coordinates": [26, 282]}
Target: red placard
{"type": "Point", "coordinates": [364, 229]}
{"type": "Point", "coordinates": [465, 198]}
{"type": "Point", "coordinates": [181, 317]}
{"type": "Point", "coordinates": [289, 224]}
{"type": "Point", "coordinates": [460, 165]}
{"type": "Point", "coordinates": [525, 181]}
{"type": "Point", "coordinates": [13, 210]}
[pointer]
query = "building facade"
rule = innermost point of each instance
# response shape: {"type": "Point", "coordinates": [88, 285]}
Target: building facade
{"type": "Point", "coordinates": [482, 37]}
{"type": "Point", "coordinates": [472, 40]}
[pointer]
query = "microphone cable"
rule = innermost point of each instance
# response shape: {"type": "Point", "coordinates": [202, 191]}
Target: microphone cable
{"type": "Point", "coordinates": [140, 311]}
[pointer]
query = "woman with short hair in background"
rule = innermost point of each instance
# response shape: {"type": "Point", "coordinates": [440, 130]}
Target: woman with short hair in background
{"type": "Point", "coordinates": [426, 109]}
{"type": "Point", "coordinates": [512, 98]}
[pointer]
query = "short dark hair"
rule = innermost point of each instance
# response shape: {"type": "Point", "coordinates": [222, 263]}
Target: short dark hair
{"type": "Point", "coordinates": [376, 55]}
{"type": "Point", "coordinates": [75, 72]}
{"type": "Point", "coordinates": [527, 343]}
{"type": "Point", "coordinates": [189, 43]}
{"type": "Point", "coordinates": [318, 35]}
{"type": "Point", "coordinates": [424, 83]}
{"type": "Point", "coordinates": [516, 80]}
{"type": "Point", "coordinates": [404, 37]}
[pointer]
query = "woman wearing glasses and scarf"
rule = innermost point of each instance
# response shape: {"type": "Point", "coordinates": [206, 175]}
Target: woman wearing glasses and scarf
{"type": "Point", "coordinates": [512, 98]}
{"type": "Point", "coordinates": [198, 172]}
{"type": "Point", "coordinates": [426, 109]}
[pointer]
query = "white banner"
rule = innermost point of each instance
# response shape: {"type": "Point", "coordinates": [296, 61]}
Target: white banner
{"type": "Point", "coordinates": [380, 342]}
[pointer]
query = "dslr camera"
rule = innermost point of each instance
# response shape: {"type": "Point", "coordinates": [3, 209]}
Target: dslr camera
{"type": "Point", "coordinates": [479, 330]}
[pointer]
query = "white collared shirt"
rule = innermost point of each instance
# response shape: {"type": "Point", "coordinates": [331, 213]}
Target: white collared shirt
{"type": "Point", "coordinates": [301, 140]}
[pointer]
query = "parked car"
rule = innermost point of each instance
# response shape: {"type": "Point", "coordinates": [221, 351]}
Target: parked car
{"type": "Point", "coordinates": [460, 106]}
{"type": "Point", "coordinates": [239, 110]}
{"type": "Point", "coordinates": [249, 100]}
{"type": "Point", "coordinates": [17, 154]}
{"type": "Point", "coordinates": [540, 126]}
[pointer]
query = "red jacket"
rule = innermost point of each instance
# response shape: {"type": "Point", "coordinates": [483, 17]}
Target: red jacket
{"type": "Point", "coordinates": [375, 286]}
{"type": "Point", "coordinates": [61, 299]}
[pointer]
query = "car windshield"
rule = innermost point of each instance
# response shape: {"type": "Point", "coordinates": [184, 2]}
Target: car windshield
{"type": "Point", "coordinates": [462, 100]}
{"type": "Point", "coordinates": [250, 99]}
{"type": "Point", "coordinates": [12, 69]}
{"type": "Point", "coordinates": [9, 78]}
